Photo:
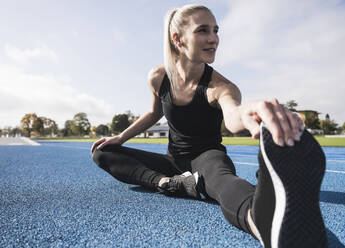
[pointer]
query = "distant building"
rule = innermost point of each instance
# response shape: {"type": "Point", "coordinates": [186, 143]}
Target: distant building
{"type": "Point", "coordinates": [308, 114]}
{"type": "Point", "coordinates": [305, 114]}
{"type": "Point", "coordinates": [161, 131]}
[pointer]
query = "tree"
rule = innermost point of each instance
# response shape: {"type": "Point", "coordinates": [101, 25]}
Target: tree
{"type": "Point", "coordinates": [15, 131]}
{"type": "Point", "coordinates": [119, 123]}
{"type": "Point", "coordinates": [343, 127]}
{"type": "Point", "coordinates": [49, 126]}
{"type": "Point", "coordinates": [291, 105]}
{"type": "Point", "coordinates": [6, 131]}
{"type": "Point", "coordinates": [92, 132]}
{"type": "Point", "coordinates": [37, 127]}
{"type": "Point", "coordinates": [312, 122]}
{"type": "Point", "coordinates": [80, 124]}
{"type": "Point", "coordinates": [328, 126]}
{"type": "Point", "coordinates": [27, 124]}
{"type": "Point", "coordinates": [130, 116]}
{"type": "Point", "coordinates": [67, 131]}
{"type": "Point", "coordinates": [102, 130]}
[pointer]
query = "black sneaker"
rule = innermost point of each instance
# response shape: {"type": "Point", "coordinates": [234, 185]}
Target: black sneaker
{"type": "Point", "coordinates": [184, 185]}
{"type": "Point", "coordinates": [285, 207]}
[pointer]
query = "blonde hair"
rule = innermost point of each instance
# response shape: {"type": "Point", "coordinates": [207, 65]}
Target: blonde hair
{"type": "Point", "coordinates": [175, 19]}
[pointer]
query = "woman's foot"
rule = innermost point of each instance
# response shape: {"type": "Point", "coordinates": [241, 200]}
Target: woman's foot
{"type": "Point", "coordinates": [183, 185]}
{"type": "Point", "coordinates": [285, 206]}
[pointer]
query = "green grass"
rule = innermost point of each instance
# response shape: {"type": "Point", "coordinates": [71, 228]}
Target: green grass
{"type": "Point", "coordinates": [226, 140]}
{"type": "Point", "coordinates": [82, 139]}
{"type": "Point", "coordinates": [337, 141]}
{"type": "Point", "coordinates": [248, 141]}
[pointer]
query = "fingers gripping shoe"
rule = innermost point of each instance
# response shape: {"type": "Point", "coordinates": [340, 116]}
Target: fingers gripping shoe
{"type": "Point", "coordinates": [285, 206]}
{"type": "Point", "coordinates": [183, 185]}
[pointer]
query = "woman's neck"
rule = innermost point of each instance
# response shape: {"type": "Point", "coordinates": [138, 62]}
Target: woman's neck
{"type": "Point", "coordinates": [189, 72]}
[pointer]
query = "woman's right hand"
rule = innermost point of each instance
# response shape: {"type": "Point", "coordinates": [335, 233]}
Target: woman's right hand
{"type": "Point", "coordinates": [99, 144]}
{"type": "Point", "coordinates": [284, 125]}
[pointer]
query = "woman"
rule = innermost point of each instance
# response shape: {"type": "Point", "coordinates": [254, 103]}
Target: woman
{"type": "Point", "coordinates": [194, 99]}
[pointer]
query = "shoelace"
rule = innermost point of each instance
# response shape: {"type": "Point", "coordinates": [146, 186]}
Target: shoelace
{"type": "Point", "coordinates": [174, 185]}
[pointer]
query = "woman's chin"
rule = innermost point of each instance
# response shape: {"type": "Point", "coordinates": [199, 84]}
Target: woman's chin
{"type": "Point", "coordinates": [205, 59]}
{"type": "Point", "coordinates": [209, 60]}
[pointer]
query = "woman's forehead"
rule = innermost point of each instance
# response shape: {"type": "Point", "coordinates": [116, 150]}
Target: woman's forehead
{"type": "Point", "coordinates": [202, 17]}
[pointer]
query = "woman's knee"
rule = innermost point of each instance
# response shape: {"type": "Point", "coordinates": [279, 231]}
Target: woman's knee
{"type": "Point", "coordinates": [100, 157]}
{"type": "Point", "coordinates": [215, 160]}
{"type": "Point", "coordinates": [96, 156]}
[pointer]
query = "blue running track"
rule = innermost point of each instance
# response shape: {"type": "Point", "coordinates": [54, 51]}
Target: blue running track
{"type": "Point", "coordinates": [53, 195]}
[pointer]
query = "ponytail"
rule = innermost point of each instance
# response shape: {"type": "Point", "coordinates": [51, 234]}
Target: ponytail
{"type": "Point", "coordinates": [170, 51]}
{"type": "Point", "coordinates": [174, 21]}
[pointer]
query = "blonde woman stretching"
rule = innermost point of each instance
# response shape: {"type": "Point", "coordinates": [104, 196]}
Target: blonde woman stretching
{"type": "Point", "coordinates": [283, 209]}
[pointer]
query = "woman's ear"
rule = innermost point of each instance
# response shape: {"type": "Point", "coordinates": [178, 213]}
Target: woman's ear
{"type": "Point", "coordinates": [177, 40]}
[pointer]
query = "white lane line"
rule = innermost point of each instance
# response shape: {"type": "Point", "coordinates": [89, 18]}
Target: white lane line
{"type": "Point", "coordinates": [252, 156]}
{"type": "Point", "coordinates": [251, 164]}
{"type": "Point", "coordinates": [337, 161]}
{"type": "Point", "coordinates": [334, 171]}
{"type": "Point", "coordinates": [241, 155]}
{"type": "Point", "coordinates": [255, 164]}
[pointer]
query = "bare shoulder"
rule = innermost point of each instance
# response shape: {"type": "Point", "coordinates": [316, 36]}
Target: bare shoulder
{"type": "Point", "coordinates": [155, 78]}
{"type": "Point", "coordinates": [221, 86]}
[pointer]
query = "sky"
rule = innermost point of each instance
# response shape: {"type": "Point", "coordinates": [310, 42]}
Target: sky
{"type": "Point", "coordinates": [62, 57]}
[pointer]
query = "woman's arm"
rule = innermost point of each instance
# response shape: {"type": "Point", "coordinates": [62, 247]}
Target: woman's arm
{"type": "Point", "coordinates": [144, 122]}
{"type": "Point", "coordinates": [283, 124]}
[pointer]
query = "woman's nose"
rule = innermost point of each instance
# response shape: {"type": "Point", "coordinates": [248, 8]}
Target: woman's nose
{"type": "Point", "coordinates": [213, 38]}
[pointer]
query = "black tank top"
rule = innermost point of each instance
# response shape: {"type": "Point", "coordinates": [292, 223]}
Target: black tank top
{"type": "Point", "coordinates": [194, 127]}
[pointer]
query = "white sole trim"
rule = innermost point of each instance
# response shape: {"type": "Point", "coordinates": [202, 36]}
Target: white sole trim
{"type": "Point", "coordinates": [280, 197]}
{"type": "Point", "coordinates": [196, 177]}
{"type": "Point", "coordinates": [186, 174]}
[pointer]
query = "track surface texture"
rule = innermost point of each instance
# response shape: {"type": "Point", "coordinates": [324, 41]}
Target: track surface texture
{"type": "Point", "coordinates": [53, 195]}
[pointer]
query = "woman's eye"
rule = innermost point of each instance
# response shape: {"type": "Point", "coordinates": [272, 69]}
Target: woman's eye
{"type": "Point", "coordinates": [202, 30]}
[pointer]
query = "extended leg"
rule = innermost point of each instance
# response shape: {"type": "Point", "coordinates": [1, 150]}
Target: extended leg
{"type": "Point", "coordinates": [135, 166]}
{"type": "Point", "coordinates": [285, 207]}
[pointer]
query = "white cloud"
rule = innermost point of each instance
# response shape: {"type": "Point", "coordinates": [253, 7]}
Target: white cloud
{"type": "Point", "coordinates": [45, 95]}
{"type": "Point", "coordinates": [289, 50]}
{"type": "Point", "coordinates": [23, 56]}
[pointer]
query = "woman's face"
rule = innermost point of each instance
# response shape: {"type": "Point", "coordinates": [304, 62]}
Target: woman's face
{"type": "Point", "coordinates": [199, 40]}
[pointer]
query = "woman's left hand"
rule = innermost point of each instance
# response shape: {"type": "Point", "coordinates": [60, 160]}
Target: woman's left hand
{"type": "Point", "coordinates": [284, 125]}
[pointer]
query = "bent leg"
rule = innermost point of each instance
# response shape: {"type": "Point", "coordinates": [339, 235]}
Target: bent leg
{"type": "Point", "coordinates": [221, 184]}
{"type": "Point", "coordinates": [135, 166]}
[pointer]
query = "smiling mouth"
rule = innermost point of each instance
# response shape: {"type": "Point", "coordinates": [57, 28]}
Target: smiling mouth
{"type": "Point", "coordinates": [209, 49]}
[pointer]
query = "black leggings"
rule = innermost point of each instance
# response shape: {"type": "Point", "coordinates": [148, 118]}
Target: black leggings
{"type": "Point", "coordinates": [216, 169]}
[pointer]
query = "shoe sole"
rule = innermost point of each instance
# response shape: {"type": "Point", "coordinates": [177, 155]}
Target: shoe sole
{"type": "Point", "coordinates": [296, 173]}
